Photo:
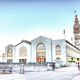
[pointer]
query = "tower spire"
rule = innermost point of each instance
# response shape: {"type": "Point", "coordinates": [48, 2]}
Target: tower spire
{"type": "Point", "coordinates": [76, 25]}
{"type": "Point", "coordinates": [76, 31]}
{"type": "Point", "coordinates": [76, 20]}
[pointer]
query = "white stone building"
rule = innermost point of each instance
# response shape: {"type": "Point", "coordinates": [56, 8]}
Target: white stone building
{"type": "Point", "coordinates": [19, 53]}
{"type": "Point", "coordinates": [42, 50]}
{"type": "Point", "coordinates": [45, 50]}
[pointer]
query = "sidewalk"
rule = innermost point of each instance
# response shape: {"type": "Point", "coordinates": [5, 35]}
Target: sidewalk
{"type": "Point", "coordinates": [76, 78]}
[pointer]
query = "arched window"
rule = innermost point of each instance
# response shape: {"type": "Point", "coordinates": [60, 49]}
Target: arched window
{"type": "Point", "coordinates": [58, 59]}
{"type": "Point", "coordinates": [23, 51]}
{"type": "Point", "coordinates": [9, 53]}
{"type": "Point", "coordinates": [58, 50]}
{"type": "Point", "coordinates": [41, 53]}
{"type": "Point", "coordinates": [22, 55]}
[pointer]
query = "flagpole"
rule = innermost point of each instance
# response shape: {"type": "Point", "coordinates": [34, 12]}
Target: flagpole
{"type": "Point", "coordinates": [64, 34]}
{"type": "Point", "coordinates": [72, 40]}
{"type": "Point", "coordinates": [75, 12]}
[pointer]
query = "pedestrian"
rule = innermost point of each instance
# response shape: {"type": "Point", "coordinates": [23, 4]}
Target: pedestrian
{"type": "Point", "coordinates": [22, 69]}
{"type": "Point", "coordinates": [53, 66]}
{"type": "Point", "coordinates": [48, 66]}
{"type": "Point", "coordinates": [78, 68]}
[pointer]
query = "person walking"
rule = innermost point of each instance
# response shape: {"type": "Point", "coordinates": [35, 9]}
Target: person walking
{"type": "Point", "coordinates": [53, 66]}
{"type": "Point", "coordinates": [78, 68]}
{"type": "Point", "coordinates": [22, 69]}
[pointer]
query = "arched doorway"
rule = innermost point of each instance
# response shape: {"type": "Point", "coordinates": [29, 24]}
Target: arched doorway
{"type": "Point", "coordinates": [9, 55]}
{"type": "Point", "coordinates": [23, 55]}
{"type": "Point", "coordinates": [40, 53]}
{"type": "Point", "coordinates": [58, 54]}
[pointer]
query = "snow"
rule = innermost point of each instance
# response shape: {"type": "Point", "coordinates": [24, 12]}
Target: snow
{"type": "Point", "coordinates": [76, 78]}
{"type": "Point", "coordinates": [41, 73]}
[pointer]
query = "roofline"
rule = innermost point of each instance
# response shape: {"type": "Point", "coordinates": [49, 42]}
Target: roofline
{"type": "Point", "coordinates": [72, 45]}
{"type": "Point", "coordinates": [39, 37]}
{"type": "Point", "coordinates": [25, 41]}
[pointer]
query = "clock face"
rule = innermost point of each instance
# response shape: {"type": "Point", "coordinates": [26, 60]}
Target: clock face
{"type": "Point", "coordinates": [76, 29]}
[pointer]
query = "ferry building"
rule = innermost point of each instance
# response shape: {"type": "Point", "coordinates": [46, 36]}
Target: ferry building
{"type": "Point", "coordinates": [43, 50]}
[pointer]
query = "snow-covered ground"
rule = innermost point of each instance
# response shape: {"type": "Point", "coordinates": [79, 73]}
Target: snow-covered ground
{"type": "Point", "coordinates": [40, 73]}
{"type": "Point", "coordinates": [76, 78]}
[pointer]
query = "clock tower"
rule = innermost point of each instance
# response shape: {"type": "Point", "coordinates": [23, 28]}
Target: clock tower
{"type": "Point", "coordinates": [76, 31]}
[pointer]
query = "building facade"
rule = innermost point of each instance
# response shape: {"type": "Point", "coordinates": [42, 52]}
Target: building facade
{"type": "Point", "coordinates": [46, 50]}
{"type": "Point", "coordinates": [19, 53]}
{"type": "Point", "coordinates": [42, 50]}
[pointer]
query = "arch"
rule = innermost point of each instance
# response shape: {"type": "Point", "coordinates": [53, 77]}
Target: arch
{"type": "Point", "coordinates": [23, 51]}
{"type": "Point", "coordinates": [58, 50]}
{"type": "Point", "coordinates": [9, 53]}
{"type": "Point", "coordinates": [40, 53]}
{"type": "Point", "coordinates": [22, 55]}
{"type": "Point", "coordinates": [58, 60]}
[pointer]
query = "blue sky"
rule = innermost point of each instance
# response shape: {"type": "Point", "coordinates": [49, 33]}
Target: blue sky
{"type": "Point", "coordinates": [27, 19]}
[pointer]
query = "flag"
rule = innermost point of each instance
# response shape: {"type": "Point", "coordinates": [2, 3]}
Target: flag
{"type": "Point", "coordinates": [64, 34]}
{"type": "Point", "coordinates": [64, 31]}
{"type": "Point", "coordinates": [75, 11]}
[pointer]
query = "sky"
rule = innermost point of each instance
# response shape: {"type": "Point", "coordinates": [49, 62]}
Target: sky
{"type": "Point", "coordinates": [28, 19]}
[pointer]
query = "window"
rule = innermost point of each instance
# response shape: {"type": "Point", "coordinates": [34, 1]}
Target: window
{"type": "Point", "coordinates": [22, 61]}
{"type": "Point", "coordinates": [58, 59]}
{"type": "Point", "coordinates": [41, 53]}
{"type": "Point", "coordinates": [9, 53]}
{"type": "Point", "coordinates": [22, 54]}
{"type": "Point", "coordinates": [23, 51]}
{"type": "Point", "coordinates": [9, 61]}
{"type": "Point", "coordinates": [58, 50]}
